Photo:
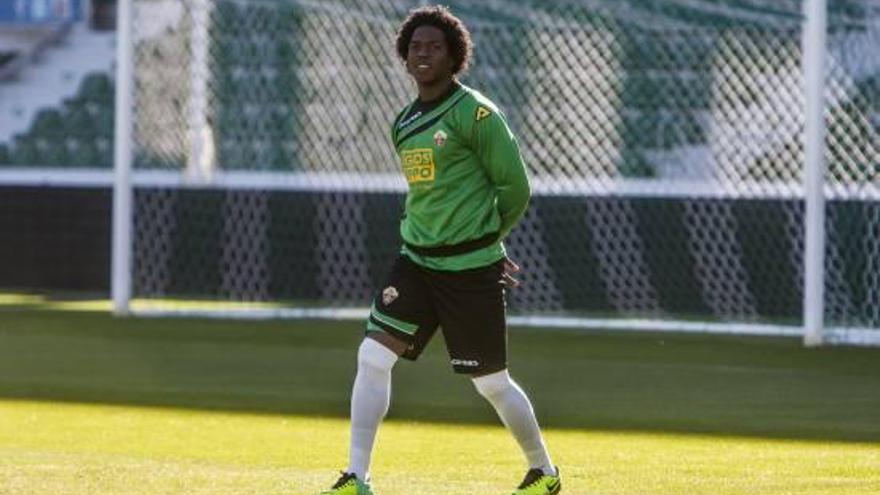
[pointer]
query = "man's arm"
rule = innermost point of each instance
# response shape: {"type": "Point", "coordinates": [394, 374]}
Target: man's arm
{"type": "Point", "coordinates": [499, 153]}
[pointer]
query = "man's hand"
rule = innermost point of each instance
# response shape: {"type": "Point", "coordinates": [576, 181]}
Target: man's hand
{"type": "Point", "coordinates": [507, 279]}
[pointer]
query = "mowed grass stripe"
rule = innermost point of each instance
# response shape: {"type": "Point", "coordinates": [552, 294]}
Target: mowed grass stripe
{"type": "Point", "coordinates": [738, 386]}
{"type": "Point", "coordinates": [50, 448]}
{"type": "Point", "coordinates": [90, 404]}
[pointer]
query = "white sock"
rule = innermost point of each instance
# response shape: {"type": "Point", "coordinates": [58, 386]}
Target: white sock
{"type": "Point", "coordinates": [516, 413]}
{"type": "Point", "coordinates": [370, 398]}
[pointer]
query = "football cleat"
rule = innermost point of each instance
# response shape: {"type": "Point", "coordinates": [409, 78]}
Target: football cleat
{"type": "Point", "coordinates": [538, 483]}
{"type": "Point", "coordinates": [349, 484]}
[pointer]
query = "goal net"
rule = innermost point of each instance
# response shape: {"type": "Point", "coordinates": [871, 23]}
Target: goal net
{"type": "Point", "coordinates": [664, 140]}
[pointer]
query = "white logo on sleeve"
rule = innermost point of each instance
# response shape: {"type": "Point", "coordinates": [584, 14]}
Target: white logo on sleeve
{"type": "Point", "coordinates": [389, 295]}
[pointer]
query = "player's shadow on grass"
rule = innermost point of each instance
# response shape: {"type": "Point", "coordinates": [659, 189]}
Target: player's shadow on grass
{"type": "Point", "coordinates": [702, 384]}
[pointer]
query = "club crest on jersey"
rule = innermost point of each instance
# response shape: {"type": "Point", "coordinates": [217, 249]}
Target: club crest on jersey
{"type": "Point", "coordinates": [440, 138]}
{"type": "Point", "coordinates": [482, 113]}
{"type": "Point", "coordinates": [389, 295]}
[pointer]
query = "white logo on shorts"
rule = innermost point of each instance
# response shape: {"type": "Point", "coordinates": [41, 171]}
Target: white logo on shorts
{"type": "Point", "coordinates": [389, 295]}
{"type": "Point", "coordinates": [465, 362]}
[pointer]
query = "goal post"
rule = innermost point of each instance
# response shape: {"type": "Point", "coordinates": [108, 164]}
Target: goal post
{"type": "Point", "coordinates": [675, 150]}
{"type": "Point", "coordinates": [814, 42]}
{"type": "Point", "coordinates": [123, 190]}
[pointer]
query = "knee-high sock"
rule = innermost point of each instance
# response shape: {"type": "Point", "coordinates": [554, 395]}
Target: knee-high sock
{"type": "Point", "coordinates": [370, 398]}
{"type": "Point", "coordinates": [516, 413]}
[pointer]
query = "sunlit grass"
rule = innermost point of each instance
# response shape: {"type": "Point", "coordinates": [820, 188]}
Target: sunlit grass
{"type": "Point", "coordinates": [62, 448]}
{"type": "Point", "coordinates": [91, 404]}
{"type": "Point", "coordinates": [10, 300]}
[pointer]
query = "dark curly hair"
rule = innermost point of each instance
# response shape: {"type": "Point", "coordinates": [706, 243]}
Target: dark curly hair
{"type": "Point", "coordinates": [458, 38]}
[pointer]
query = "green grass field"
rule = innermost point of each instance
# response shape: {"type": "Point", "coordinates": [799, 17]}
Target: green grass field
{"type": "Point", "coordinates": [91, 405]}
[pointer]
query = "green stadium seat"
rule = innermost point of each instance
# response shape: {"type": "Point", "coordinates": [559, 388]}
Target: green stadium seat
{"type": "Point", "coordinates": [96, 87]}
{"type": "Point", "coordinates": [225, 17]}
{"type": "Point", "coordinates": [667, 51]}
{"type": "Point", "coordinates": [292, 17]}
{"type": "Point", "coordinates": [228, 51]}
{"type": "Point", "coordinates": [78, 122]}
{"type": "Point", "coordinates": [283, 121]}
{"type": "Point", "coordinates": [5, 155]}
{"type": "Point", "coordinates": [853, 9]}
{"type": "Point", "coordinates": [639, 93]}
{"type": "Point", "coordinates": [222, 84]}
{"type": "Point", "coordinates": [662, 130]}
{"type": "Point", "coordinates": [289, 82]}
{"type": "Point", "coordinates": [25, 152]}
{"type": "Point", "coordinates": [231, 153]}
{"type": "Point", "coordinates": [233, 121]}
{"type": "Point", "coordinates": [277, 159]}
{"type": "Point", "coordinates": [633, 164]}
{"type": "Point", "coordinates": [84, 153]}
{"type": "Point", "coordinates": [289, 148]}
{"type": "Point", "coordinates": [673, 91]}
{"type": "Point", "coordinates": [103, 120]}
{"type": "Point", "coordinates": [244, 50]}
{"type": "Point", "coordinates": [104, 147]}
{"type": "Point", "coordinates": [48, 123]}
{"type": "Point", "coordinates": [53, 151]}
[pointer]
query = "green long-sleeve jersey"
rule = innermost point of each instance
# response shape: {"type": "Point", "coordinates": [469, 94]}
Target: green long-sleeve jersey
{"type": "Point", "coordinates": [466, 177]}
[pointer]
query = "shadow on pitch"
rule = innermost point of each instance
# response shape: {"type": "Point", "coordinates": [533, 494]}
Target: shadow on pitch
{"type": "Point", "coordinates": [731, 386]}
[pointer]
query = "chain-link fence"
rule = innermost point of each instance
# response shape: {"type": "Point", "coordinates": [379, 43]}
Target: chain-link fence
{"type": "Point", "coordinates": [664, 140]}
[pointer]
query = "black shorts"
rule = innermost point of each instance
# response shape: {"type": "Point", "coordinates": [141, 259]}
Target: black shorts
{"type": "Point", "coordinates": [468, 305]}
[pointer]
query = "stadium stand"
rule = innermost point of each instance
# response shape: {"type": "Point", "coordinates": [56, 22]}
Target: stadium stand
{"type": "Point", "coordinates": [6, 57]}
{"type": "Point", "coordinates": [56, 96]}
{"type": "Point", "coordinates": [665, 91]}
{"type": "Point", "coordinates": [77, 134]}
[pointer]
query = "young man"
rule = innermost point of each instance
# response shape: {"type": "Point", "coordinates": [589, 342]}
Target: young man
{"type": "Point", "coordinates": [467, 189]}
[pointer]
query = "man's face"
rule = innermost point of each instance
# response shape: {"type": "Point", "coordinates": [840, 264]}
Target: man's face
{"type": "Point", "coordinates": [428, 59]}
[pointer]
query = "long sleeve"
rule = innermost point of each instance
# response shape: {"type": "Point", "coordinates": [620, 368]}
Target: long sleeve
{"type": "Point", "coordinates": [498, 151]}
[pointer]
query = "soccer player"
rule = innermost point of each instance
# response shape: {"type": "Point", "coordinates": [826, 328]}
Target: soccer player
{"type": "Point", "coordinates": [467, 189]}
